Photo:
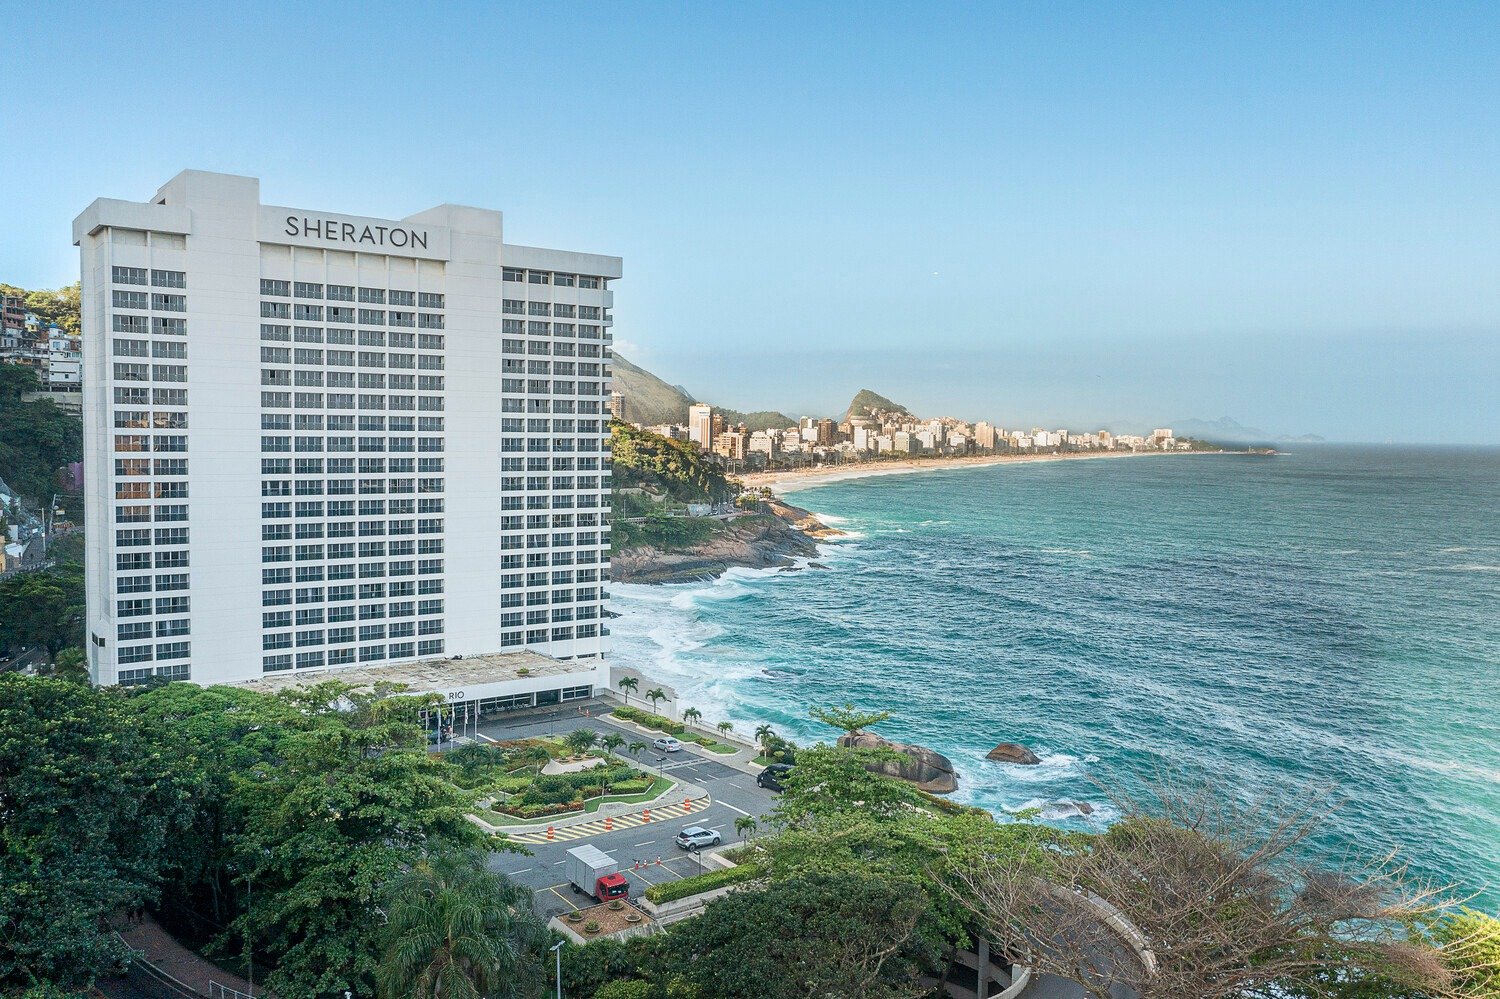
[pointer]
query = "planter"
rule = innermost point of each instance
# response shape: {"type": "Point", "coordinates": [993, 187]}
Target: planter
{"type": "Point", "coordinates": [574, 917]}
{"type": "Point", "coordinates": [632, 917]}
{"type": "Point", "coordinates": [617, 905]}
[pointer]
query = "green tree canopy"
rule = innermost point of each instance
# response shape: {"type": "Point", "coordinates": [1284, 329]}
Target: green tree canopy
{"type": "Point", "coordinates": [86, 823]}
{"type": "Point", "coordinates": [848, 718]}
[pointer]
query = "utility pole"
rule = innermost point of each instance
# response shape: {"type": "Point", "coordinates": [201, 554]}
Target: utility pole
{"type": "Point", "coordinates": [557, 953]}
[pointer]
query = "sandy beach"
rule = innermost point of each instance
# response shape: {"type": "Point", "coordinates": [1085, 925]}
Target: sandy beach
{"type": "Point", "coordinates": [783, 480]}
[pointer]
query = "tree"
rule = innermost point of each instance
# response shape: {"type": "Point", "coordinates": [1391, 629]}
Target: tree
{"type": "Point", "coordinates": [43, 609]}
{"type": "Point", "coordinates": [581, 740]}
{"type": "Point", "coordinates": [1470, 942]}
{"type": "Point", "coordinates": [87, 817]}
{"type": "Point", "coordinates": [636, 748]}
{"type": "Point", "coordinates": [1217, 894]}
{"type": "Point", "coordinates": [692, 716]}
{"type": "Point", "coordinates": [745, 826]}
{"type": "Point", "coordinates": [612, 742]}
{"type": "Point", "coordinates": [350, 801]}
{"type": "Point", "coordinates": [725, 727]}
{"type": "Point", "coordinates": [845, 936]}
{"type": "Point", "coordinates": [655, 695]}
{"type": "Point", "coordinates": [70, 664]}
{"type": "Point", "coordinates": [628, 683]}
{"type": "Point", "coordinates": [458, 931]}
{"type": "Point", "coordinates": [849, 719]}
{"type": "Point", "coordinates": [764, 733]}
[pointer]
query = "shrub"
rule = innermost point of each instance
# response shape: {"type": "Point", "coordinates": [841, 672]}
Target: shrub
{"type": "Point", "coordinates": [651, 721]}
{"type": "Point", "coordinates": [671, 891]}
{"type": "Point", "coordinates": [592, 926]}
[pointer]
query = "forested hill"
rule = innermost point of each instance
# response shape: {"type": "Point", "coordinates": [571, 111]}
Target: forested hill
{"type": "Point", "coordinates": [678, 468]}
{"type": "Point", "coordinates": [36, 438]}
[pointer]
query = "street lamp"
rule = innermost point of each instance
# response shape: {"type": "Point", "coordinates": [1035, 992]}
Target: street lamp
{"type": "Point", "coordinates": [557, 953]}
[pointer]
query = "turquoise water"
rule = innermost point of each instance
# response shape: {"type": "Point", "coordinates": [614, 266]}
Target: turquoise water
{"type": "Point", "coordinates": [1330, 616]}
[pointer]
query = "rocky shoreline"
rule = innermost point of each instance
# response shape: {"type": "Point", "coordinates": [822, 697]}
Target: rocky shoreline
{"type": "Point", "coordinates": [775, 539]}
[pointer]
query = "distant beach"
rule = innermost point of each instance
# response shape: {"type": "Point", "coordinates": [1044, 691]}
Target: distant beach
{"type": "Point", "coordinates": [782, 480]}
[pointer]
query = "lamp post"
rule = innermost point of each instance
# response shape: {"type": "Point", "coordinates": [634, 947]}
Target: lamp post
{"type": "Point", "coordinates": [557, 953]}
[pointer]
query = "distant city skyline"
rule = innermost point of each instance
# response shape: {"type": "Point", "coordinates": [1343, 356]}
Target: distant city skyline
{"type": "Point", "coordinates": [1286, 216]}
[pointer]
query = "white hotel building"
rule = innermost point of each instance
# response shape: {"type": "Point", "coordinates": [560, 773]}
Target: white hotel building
{"type": "Point", "coordinates": [316, 441]}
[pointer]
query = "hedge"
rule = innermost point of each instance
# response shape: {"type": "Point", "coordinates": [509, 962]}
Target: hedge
{"type": "Point", "coordinates": [650, 720]}
{"type": "Point", "coordinates": [671, 891]}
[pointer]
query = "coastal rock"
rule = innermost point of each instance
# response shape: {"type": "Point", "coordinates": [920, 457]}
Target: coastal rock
{"type": "Point", "coordinates": [929, 770]}
{"type": "Point", "coordinates": [1010, 752]}
{"type": "Point", "coordinates": [816, 565]}
{"type": "Point", "coordinates": [753, 541]}
{"type": "Point", "coordinates": [1063, 808]}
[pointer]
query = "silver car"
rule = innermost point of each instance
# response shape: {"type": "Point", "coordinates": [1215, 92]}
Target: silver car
{"type": "Point", "coordinates": [697, 837]}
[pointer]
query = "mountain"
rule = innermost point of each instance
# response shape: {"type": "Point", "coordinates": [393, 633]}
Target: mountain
{"type": "Point", "coordinates": [650, 401]}
{"type": "Point", "coordinates": [1227, 431]}
{"type": "Point", "coordinates": [866, 402]}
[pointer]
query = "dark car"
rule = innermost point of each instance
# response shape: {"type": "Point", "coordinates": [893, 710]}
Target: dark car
{"type": "Point", "coordinates": [774, 776]}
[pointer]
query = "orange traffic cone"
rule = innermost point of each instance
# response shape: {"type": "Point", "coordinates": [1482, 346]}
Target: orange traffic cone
{"type": "Point", "coordinates": [647, 816]}
{"type": "Point", "coordinates": [609, 824]}
{"type": "Point", "coordinates": [549, 832]}
{"type": "Point", "coordinates": [687, 804]}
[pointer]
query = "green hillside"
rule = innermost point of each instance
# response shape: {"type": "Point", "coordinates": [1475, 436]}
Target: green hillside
{"type": "Point", "coordinates": [651, 401]}
{"type": "Point", "coordinates": [866, 401]}
{"type": "Point", "coordinates": [677, 468]}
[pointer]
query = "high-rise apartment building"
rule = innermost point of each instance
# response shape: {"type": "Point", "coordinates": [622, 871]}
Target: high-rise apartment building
{"type": "Point", "coordinates": [316, 440]}
{"type": "Point", "coordinates": [701, 425]}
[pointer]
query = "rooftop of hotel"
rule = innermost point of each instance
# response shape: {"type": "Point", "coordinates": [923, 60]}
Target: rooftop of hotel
{"type": "Point", "coordinates": [433, 674]}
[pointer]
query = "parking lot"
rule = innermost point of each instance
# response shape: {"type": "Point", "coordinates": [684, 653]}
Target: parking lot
{"type": "Point", "coordinates": [637, 849]}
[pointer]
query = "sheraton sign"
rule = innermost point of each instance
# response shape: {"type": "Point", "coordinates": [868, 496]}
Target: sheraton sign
{"type": "Point", "coordinates": [353, 232]}
{"type": "Point", "coordinates": [344, 232]}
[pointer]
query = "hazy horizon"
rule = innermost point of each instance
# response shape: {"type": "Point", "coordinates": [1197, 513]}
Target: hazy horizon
{"type": "Point", "coordinates": [1284, 215]}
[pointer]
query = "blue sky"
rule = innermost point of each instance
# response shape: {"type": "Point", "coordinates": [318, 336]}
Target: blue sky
{"type": "Point", "coordinates": [1128, 213]}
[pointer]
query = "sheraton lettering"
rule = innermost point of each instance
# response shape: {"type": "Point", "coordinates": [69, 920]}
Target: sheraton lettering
{"type": "Point", "coordinates": [350, 232]}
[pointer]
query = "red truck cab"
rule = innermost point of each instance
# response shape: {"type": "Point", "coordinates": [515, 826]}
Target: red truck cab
{"type": "Point", "coordinates": [612, 886]}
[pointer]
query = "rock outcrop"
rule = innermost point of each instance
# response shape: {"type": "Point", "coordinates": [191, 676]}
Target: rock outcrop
{"type": "Point", "coordinates": [929, 770]}
{"type": "Point", "coordinates": [1011, 752]}
{"type": "Point", "coordinates": [756, 542]}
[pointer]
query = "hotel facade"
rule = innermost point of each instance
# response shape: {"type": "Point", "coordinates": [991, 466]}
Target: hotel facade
{"type": "Point", "coordinates": [316, 441]}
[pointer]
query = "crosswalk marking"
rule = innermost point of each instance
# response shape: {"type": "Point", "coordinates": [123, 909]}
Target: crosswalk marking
{"type": "Point", "coordinates": [583, 830]}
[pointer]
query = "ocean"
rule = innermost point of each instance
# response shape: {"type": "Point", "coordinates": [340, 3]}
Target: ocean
{"type": "Point", "coordinates": [1273, 624]}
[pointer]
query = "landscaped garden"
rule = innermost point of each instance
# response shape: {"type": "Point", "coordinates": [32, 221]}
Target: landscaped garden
{"type": "Point", "coordinates": [509, 777]}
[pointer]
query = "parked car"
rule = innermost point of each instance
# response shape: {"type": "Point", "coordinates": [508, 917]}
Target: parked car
{"type": "Point", "coordinates": [667, 744]}
{"type": "Point", "coordinates": [774, 776]}
{"type": "Point", "coordinates": [697, 837]}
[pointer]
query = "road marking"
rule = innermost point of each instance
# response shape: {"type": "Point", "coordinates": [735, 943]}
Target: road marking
{"type": "Point", "coordinates": [524, 870]}
{"type": "Point", "coordinates": [567, 901]}
{"type": "Point", "coordinates": [734, 785]}
{"type": "Point", "coordinates": [641, 876]}
{"type": "Point", "coordinates": [559, 863]}
{"type": "Point", "coordinates": [733, 809]}
{"type": "Point", "coordinates": [647, 843]}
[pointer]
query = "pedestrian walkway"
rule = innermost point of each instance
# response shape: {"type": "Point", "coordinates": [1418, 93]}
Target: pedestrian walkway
{"type": "Point", "coordinates": [593, 827]}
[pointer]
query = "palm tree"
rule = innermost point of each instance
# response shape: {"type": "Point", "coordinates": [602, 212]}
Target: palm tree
{"type": "Point", "coordinates": [635, 748]}
{"type": "Point", "coordinates": [725, 727]}
{"type": "Point", "coordinates": [456, 930]}
{"type": "Point", "coordinates": [612, 742]}
{"type": "Point", "coordinates": [581, 739]}
{"type": "Point", "coordinates": [763, 735]}
{"type": "Point", "coordinates": [745, 826]}
{"type": "Point", "coordinates": [628, 683]}
{"type": "Point", "coordinates": [654, 695]}
{"type": "Point", "coordinates": [691, 715]}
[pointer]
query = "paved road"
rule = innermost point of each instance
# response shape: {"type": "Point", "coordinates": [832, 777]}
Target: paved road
{"type": "Point", "coordinates": [734, 792]}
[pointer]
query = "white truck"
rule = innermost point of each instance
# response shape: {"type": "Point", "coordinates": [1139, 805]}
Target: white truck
{"type": "Point", "coordinates": [593, 872]}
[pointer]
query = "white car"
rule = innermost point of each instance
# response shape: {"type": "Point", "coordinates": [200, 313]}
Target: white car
{"type": "Point", "coordinates": [697, 837]}
{"type": "Point", "coordinates": [667, 744]}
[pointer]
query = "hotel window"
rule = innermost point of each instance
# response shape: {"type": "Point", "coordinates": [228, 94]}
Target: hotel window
{"type": "Point", "coordinates": [276, 310]}
{"type": "Point", "coordinates": [510, 305]}
{"type": "Point", "coordinates": [168, 327]}
{"type": "Point", "coordinates": [515, 274]}
{"type": "Point", "coordinates": [168, 303]}
{"type": "Point", "coordinates": [130, 348]}
{"type": "Point", "coordinates": [305, 289]}
{"type": "Point", "coordinates": [128, 275]}
{"type": "Point", "coordinates": [341, 314]}
{"type": "Point", "coordinates": [168, 279]}
{"type": "Point", "coordinates": [372, 317]}
{"type": "Point", "coordinates": [174, 350]}
{"type": "Point", "coordinates": [308, 313]}
{"type": "Point", "coordinates": [341, 292]}
{"type": "Point", "coordinates": [407, 298]}
{"type": "Point", "coordinates": [372, 296]}
{"type": "Point", "coordinates": [132, 324]}
{"type": "Point", "coordinates": [278, 289]}
{"type": "Point", "coordinates": [430, 320]}
{"type": "Point", "coordinates": [430, 300]}
{"type": "Point", "coordinates": [129, 299]}
{"type": "Point", "coordinates": [565, 280]}
{"type": "Point", "coordinates": [539, 308]}
{"type": "Point", "coordinates": [588, 282]}
{"type": "Point", "coordinates": [539, 277]}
